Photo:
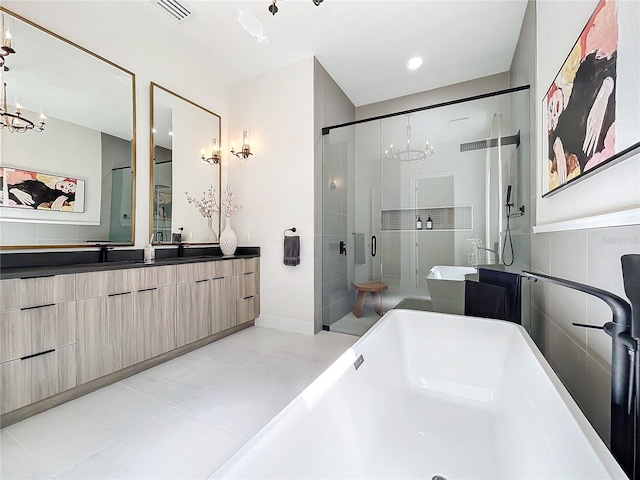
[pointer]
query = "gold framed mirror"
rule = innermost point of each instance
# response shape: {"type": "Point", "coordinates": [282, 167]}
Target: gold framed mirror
{"type": "Point", "coordinates": [185, 170]}
{"type": "Point", "coordinates": [85, 156]}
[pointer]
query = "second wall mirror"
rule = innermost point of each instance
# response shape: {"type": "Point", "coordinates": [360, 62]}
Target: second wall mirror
{"type": "Point", "coordinates": [185, 170]}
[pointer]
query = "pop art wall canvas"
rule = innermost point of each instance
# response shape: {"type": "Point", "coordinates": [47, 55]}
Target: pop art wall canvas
{"type": "Point", "coordinates": [580, 119]}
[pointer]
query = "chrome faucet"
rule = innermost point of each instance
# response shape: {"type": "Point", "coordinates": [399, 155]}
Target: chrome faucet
{"type": "Point", "coordinates": [495, 254]}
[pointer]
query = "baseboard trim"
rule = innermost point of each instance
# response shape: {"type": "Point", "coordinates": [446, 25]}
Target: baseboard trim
{"type": "Point", "coordinates": [286, 324]}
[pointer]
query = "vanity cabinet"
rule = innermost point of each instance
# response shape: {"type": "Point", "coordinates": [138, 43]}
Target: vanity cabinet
{"type": "Point", "coordinates": [248, 290]}
{"type": "Point", "coordinates": [37, 339]}
{"type": "Point", "coordinates": [205, 300]}
{"type": "Point", "coordinates": [193, 310]}
{"type": "Point", "coordinates": [153, 329]}
{"type": "Point", "coordinates": [63, 331]}
{"type": "Point", "coordinates": [102, 322]}
{"type": "Point", "coordinates": [154, 313]}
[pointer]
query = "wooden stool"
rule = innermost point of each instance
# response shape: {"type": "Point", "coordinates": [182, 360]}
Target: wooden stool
{"type": "Point", "coordinates": [363, 288]}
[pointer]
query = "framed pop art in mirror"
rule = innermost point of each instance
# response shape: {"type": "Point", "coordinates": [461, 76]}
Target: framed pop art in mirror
{"type": "Point", "coordinates": [41, 191]}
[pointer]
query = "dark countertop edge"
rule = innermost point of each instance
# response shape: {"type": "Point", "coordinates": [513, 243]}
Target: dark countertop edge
{"type": "Point", "coordinates": [136, 261]}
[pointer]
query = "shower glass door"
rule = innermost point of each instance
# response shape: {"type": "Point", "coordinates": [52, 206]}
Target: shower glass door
{"type": "Point", "coordinates": [419, 190]}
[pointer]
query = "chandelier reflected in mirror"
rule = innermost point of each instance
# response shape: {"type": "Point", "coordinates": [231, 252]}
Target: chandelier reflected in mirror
{"type": "Point", "coordinates": [410, 154]}
{"type": "Point", "coordinates": [17, 122]}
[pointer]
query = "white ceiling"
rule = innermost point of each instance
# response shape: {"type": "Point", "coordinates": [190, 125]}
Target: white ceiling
{"type": "Point", "coordinates": [363, 44]}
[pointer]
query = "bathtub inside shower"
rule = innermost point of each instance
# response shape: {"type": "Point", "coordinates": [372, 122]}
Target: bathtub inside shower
{"type": "Point", "coordinates": [445, 285]}
{"type": "Point", "coordinates": [425, 394]}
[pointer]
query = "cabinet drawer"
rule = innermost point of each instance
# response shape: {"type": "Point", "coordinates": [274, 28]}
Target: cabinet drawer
{"type": "Point", "coordinates": [30, 292]}
{"type": "Point", "coordinates": [26, 381]}
{"type": "Point", "coordinates": [194, 272]}
{"type": "Point", "coordinates": [9, 294]}
{"type": "Point", "coordinates": [249, 265]}
{"type": "Point", "coordinates": [151, 277]}
{"type": "Point", "coordinates": [99, 284]}
{"type": "Point", "coordinates": [46, 290]}
{"type": "Point", "coordinates": [247, 309]}
{"type": "Point", "coordinates": [248, 284]}
{"type": "Point", "coordinates": [34, 330]}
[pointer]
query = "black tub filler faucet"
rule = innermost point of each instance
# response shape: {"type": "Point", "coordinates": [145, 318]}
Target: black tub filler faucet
{"type": "Point", "coordinates": [624, 330]}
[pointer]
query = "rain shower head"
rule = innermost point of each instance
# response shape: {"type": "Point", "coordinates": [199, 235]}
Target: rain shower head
{"type": "Point", "coordinates": [491, 142]}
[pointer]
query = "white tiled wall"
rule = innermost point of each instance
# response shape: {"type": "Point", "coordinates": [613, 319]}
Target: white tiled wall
{"type": "Point", "coordinates": [581, 357]}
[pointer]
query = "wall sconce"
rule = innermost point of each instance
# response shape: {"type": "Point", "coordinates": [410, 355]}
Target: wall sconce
{"type": "Point", "coordinates": [246, 150]}
{"type": "Point", "coordinates": [215, 154]}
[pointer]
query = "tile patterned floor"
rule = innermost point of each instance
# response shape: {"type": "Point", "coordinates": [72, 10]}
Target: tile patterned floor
{"type": "Point", "coordinates": [181, 419]}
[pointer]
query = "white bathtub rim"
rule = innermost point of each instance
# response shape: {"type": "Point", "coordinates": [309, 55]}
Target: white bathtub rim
{"type": "Point", "coordinates": [349, 356]}
{"type": "Point", "coordinates": [592, 437]}
{"type": "Point", "coordinates": [434, 273]}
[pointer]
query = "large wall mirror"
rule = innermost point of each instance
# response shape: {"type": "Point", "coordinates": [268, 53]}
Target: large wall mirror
{"type": "Point", "coordinates": [184, 138]}
{"type": "Point", "coordinates": [73, 183]}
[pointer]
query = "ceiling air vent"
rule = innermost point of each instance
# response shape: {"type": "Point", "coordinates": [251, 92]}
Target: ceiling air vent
{"type": "Point", "coordinates": [175, 9]}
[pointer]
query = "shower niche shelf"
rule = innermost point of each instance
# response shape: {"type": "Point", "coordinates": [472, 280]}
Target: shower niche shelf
{"type": "Point", "coordinates": [444, 218]}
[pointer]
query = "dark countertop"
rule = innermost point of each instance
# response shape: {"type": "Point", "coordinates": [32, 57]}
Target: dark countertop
{"type": "Point", "coordinates": [45, 264]}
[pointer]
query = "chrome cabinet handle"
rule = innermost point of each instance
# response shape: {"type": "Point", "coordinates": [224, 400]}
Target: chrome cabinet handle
{"type": "Point", "coordinates": [374, 246]}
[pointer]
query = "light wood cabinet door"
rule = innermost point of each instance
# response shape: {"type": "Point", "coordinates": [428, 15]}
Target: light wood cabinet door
{"type": "Point", "coordinates": [34, 330]}
{"type": "Point", "coordinates": [47, 290]}
{"type": "Point", "coordinates": [53, 326]}
{"type": "Point", "coordinates": [100, 334]}
{"type": "Point", "coordinates": [15, 335]}
{"type": "Point", "coordinates": [155, 320]}
{"type": "Point", "coordinates": [249, 265]}
{"type": "Point", "coordinates": [31, 379]}
{"type": "Point", "coordinates": [193, 312]}
{"type": "Point", "coordinates": [247, 309]}
{"type": "Point", "coordinates": [15, 391]}
{"type": "Point", "coordinates": [9, 294]}
{"type": "Point", "coordinates": [223, 306]}
{"type": "Point", "coordinates": [99, 284]}
{"type": "Point", "coordinates": [248, 284]}
{"type": "Point", "coordinates": [151, 277]}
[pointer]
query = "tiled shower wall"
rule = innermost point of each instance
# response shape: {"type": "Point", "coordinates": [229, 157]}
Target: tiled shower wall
{"type": "Point", "coordinates": [580, 356]}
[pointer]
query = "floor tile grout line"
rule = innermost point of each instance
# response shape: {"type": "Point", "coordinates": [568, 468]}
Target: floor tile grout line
{"type": "Point", "coordinates": [116, 440]}
{"type": "Point", "coordinates": [30, 453]}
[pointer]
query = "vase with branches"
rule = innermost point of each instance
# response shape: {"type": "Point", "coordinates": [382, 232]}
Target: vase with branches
{"type": "Point", "coordinates": [228, 238]}
{"type": "Point", "coordinates": [208, 208]}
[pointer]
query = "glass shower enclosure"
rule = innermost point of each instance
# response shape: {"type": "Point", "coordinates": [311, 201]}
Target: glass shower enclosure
{"type": "Point", "coordinates": [419, 189]}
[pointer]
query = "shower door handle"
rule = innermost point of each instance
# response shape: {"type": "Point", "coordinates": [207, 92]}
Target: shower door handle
{"type": "Point", "coordinates": [374, 246]}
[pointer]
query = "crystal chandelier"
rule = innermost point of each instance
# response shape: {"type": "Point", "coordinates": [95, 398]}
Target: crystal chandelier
{"type": "Point", "coordinates": [16, 122]}
{"type": "Point", "coordinates": [409, 154]}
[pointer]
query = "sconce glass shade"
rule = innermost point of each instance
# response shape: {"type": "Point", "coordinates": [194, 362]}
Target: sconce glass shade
{"type": "Point", "coordinates": [246, 149]}
{"type": "Point", "coordinates": [214, 159]}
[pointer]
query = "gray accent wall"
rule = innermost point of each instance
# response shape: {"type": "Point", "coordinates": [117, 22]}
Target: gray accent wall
{"type": "Point", "coordinates": [580, 357]}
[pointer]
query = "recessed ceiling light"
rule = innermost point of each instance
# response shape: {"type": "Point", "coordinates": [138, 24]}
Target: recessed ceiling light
{"type": "Point", "coordinates": [414, 63]}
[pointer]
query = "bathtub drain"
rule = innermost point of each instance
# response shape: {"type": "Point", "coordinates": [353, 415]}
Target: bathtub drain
{"type": "Point", "coordinates": [439, 477]}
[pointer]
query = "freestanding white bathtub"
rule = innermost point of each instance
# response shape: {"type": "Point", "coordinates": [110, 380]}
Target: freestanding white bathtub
{"type": "Point", "coordinates": [446, 287]}
{"type": "Point", "coordinates": [435, 394]}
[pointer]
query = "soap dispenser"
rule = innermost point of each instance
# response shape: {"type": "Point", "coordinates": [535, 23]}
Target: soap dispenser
{"type": "Point", "coordinates": [418, 223]}
{"type": "Point", "coordinates": [429, 223]}
{"type": "Point", "coordinates": [149, 252]}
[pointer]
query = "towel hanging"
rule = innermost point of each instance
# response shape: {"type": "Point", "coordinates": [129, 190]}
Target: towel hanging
{"type": "Point", "coordinates": [291, 249]}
